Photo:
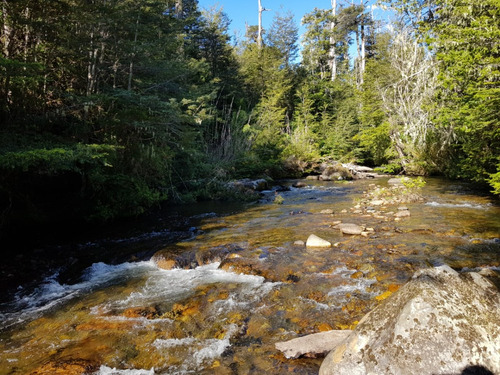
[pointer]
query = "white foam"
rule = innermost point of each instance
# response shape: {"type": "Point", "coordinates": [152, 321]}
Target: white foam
{"type": "Point", "coordinates": [105, 370]}
{"type": "Point", "coordinates": [51, 293]}
{"type": "Point", "coordinates": [199, 351]}
{"type": "Point", "coordinates": [349, 286]}
{"type": "Point", "coordinates": [457, 205]}
{"type": "Point", "coordinates": [173, 285]}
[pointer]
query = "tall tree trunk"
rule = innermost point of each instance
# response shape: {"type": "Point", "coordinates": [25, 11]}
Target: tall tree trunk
{"type": "Point", "coordinates": [332, 53]}
{"type": "Point", "coordinates": [131, 66]}
{"type": "Point", "coordinates": [178, 8]}
{"type": "Point", "coordinates": [91, 65]}
{"type": "Point", "coordinates": [363, 49]}
{"type": "Point", "coordinates": [6, 30]}
{"type": "Point", "coordinates": [259, 35]}
{"type": "Point", "coordinates": [26, 35]}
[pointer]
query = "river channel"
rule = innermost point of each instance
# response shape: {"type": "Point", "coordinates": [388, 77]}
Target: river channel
{"type": "Point", "coordinates": [245, 283]}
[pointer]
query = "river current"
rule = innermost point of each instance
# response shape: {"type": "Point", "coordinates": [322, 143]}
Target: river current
{"type": "Point", "coordinates": [246, 284]}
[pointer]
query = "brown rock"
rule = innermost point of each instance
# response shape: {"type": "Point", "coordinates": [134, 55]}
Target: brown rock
{"type": "Point", "coordinates": [142, 312]}
{"type": "Point", "coordinates": [70, 367]}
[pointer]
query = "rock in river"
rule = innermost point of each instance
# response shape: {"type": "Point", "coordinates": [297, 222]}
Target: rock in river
{"type": "Point", "coordinates": [348, 228]}
{"type": "Point", "coordinates": [317, 344]}
{"type": "Point", "coordinates": [315, 241]}
{"type": "Point", "coordinates": [440, 322]}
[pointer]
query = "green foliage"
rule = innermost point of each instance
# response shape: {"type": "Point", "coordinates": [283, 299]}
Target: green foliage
{"type": "Point", "coordinates": [118, 105]}
{"type": "Point", "coordinates": [465, 40]}
{"type": "Point", "coordinates": [412, 188]}
{"type": "Point", "coordinates": [278, 199]}
{"type": "Point", "coordinates": [391, 168]}
{"type": "Point", "coordinates": [494, 181]}
{"type": "Point", "coordinates": [56, 160]}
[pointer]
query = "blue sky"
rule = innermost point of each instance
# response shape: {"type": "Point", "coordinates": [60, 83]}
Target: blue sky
{"type": "Point", "coordinates": [241, 11]}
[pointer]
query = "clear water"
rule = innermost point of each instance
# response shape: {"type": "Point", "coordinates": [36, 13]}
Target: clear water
{"type": "Point", "coordinates": [135, 318]}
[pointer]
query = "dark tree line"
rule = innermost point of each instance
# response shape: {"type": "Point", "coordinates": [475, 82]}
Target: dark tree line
{"type": "Point", "coordinates": [109, 107]}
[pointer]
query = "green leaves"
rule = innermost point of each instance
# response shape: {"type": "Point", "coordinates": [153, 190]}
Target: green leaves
{"type": "Point", "coordinates": [59, 159]}
{"type": "Point", "coordinates": [466, 44]}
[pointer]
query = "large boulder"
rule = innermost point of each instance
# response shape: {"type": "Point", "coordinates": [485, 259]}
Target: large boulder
{"type": "Point", "coordinates": [254, 185]}
{"type": "Point", "coordinates": [440, 322]}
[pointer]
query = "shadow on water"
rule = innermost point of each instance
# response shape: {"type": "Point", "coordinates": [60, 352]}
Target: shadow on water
{"type": "Point", "coordinates": [474, 370]}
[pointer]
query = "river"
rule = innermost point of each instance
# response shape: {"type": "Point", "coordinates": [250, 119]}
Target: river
{"type": "Point", "coordinates": [245, 284]}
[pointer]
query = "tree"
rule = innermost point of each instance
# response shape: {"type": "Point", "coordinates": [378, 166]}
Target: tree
{"type": "Point", "coordinates": [283, 35]}
{"type": "Point", "coordinates": [465, 40]}
{"type": "Point", "coordinates": [405, 99]}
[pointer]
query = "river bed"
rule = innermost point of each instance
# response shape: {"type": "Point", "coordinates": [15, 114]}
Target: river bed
{"type": "Point", "coordinates": [224, 313]}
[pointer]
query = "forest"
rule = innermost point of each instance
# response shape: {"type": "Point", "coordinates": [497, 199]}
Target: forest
{"type": "Point", "coordinates": [111, 107]}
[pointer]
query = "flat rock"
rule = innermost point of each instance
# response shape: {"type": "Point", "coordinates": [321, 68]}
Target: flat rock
{"type": "Point", "coordinates": [315, 345]}
{"type": "Point", "coordinates": [315, 241]}
{"type": "Point", "coordinates": [299, 243]}
{"type": "Point", "coordinates": [403, 213]}
{"type": "Point", "coordinates": [440, 322]}
{"type": "Point", "coordinates": [328, 211]}
{"type": "Point", "coordinates": [349, 228]}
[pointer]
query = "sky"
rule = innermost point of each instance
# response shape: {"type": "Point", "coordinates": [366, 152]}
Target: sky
{"type": "Point", "coordinates": [241, 11]}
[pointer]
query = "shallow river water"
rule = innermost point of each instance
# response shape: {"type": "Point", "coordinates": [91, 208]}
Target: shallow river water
{"type": "Point", "coordinates": [245, 285]}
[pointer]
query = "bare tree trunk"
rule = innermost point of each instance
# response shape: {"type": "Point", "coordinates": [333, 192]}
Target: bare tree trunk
{"type": "Point", "coordinates": [91, 67]}
{"type": "Point", "coordinates": [332, 53]}
{"type": "Point", "coordinates": [362, 62]}
{"type": "Point", "coordinates": [6, 30]}
{"type": "Point", "coordinates": [26, 35]}
{"type": "Point", "coordinates": [178, 8]}
{"type": "Point", "coordinates": [363, 54]}
{"type": "Point", "coordinates": [131, 66]}
{"type": "Point", "coordinates": [259, 35]}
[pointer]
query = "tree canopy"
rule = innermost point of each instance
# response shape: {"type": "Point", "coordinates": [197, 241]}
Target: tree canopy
{"type": "Point", "coordinates": [109, 107]}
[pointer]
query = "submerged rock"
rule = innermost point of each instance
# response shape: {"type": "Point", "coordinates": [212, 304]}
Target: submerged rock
{"type": "Point", "coordinates": [69, 367]}
{"type": "Point", "coordinates": [299, 184]}
{"type": "Point", "coordinates": [348, 228]}
{"type": "Point", "coordinates": [315, 241]}
{"type": "Point", "coordinates": [402, 213]}
{"type": "Point", "coordinates": [312, 346]}
{"type": "Point", "coordinates": [439, 322]}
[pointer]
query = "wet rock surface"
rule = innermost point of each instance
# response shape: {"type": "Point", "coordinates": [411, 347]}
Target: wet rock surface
{"type": "Point", "coordinates": [314, 345]}
{"type": "Point", "coordinates": [349, 228]}
{"type": "Point", "coordinates": [439, 321]}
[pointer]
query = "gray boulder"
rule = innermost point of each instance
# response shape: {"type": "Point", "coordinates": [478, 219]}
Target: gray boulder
{"type": "Point", "coordinates": [440, 322]}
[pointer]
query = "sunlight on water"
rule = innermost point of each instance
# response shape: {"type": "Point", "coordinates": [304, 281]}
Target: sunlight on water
{"type": "Point", "coordinates": [242, 285]}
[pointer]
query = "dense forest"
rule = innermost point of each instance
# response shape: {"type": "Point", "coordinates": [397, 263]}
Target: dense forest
{"type": "Point", "coordinates": [109, 107]}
